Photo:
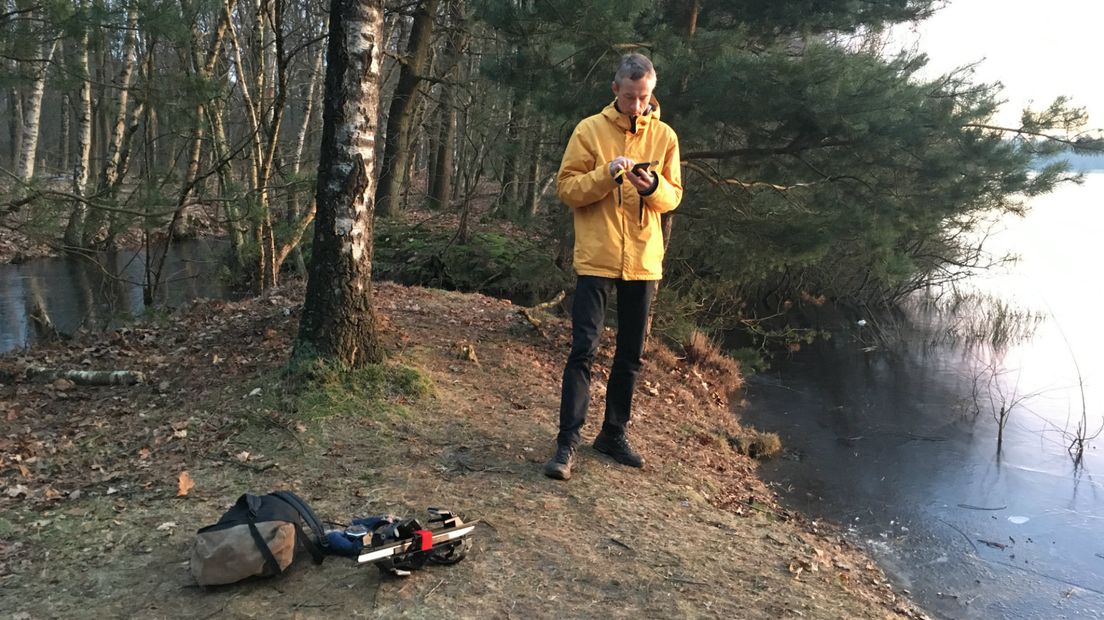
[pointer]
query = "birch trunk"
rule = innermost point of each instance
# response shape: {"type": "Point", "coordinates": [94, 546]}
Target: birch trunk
{"type": "Point", "coordinates": [300, 143]}
{"type": "Point", "coordinates": [86, 377]}
{"type": "Point", "coordinates": [178, 224]}
{"type": "Point", "coordinates": [113, 165]}
{"type": "Point", "coordinates": [115, 135]}
{"type": "Point", "coordinates": [84, 145]}
{"type": "Point", "coordinates": [338, 321]}
{"type": "Point", "coordinates": [33, 113]}
{"type": "Point", "coordinates": [233, 213]}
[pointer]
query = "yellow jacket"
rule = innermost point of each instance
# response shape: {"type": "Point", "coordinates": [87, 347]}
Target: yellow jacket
{"type": "Point", "coordinates": [618, 233]}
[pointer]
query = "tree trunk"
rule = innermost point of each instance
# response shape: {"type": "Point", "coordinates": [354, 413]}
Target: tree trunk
{"type": "Point", "coordinates": [508, 199]}
{"type": "Point", "coordinates": [300, 144]}
{"type": "Point", "coordinates": [338, 321]}
{"type": "Point", "coordinates": [202, 70]}
{"type": "Point", "coordinates": [230, 207]}
{"type": "Point", "coordinates": [110, 169]}
{"type": "Point", "coordinates": [64, 113]}
{"type": "Point", "coordinates": [443, 161]}
{"type": "Point", "coordinates": [312, 89]}
{"type": "Point", "coordinates": [15, 118]}
{"type": "Point", "coordinates": [149, 120]}
{"type": "Point", "coordinates": [465, 72]}
{"type": "Point", "coordinates": [15, 124]}
{"type": "Point", "coordinates": [533, 185]}
{"type": "Point", "coordinates": [84, 145]}
{"type": "Point", "coordinates": [33, 113]}
{"type": "Point", "coordinates": [396, 152]}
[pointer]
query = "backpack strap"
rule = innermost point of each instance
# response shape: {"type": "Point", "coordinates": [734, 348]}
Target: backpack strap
{"type": "Point", "coordinates": [270, 560]}
{"type": "Point", "coordinates": [317, 546]}
{"type": "Point", "coordinates": [249, 505]}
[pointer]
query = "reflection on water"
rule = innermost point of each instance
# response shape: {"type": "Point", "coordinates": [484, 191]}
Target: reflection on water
{"type": "Point", "coordinates": [900, 446]}
{"type": "Point", "coordinates": [79, 293]}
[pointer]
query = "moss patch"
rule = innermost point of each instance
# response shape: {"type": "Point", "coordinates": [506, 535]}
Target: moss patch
{"type": "Point", "coordinates": [498, 264]}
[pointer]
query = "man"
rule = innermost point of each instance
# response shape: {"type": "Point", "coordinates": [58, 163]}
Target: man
{"type": "Point", "coordinates": [618, 246]}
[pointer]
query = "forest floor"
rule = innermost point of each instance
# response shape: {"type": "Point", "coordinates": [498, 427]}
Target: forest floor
{"type": "Point", "coordinates": [96, 522]}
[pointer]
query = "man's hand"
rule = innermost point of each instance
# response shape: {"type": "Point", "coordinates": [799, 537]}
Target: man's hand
{"type": "Point", "coordinates": [641, 179]}
{"type": "Point", "coordinates": [620, 164]}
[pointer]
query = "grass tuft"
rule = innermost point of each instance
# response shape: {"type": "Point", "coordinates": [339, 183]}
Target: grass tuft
{"type": "Point", "coordinates": [374, 390]}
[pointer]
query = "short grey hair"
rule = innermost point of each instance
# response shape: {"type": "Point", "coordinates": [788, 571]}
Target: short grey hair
{"type": "Point", "coordinates": [634, 67]}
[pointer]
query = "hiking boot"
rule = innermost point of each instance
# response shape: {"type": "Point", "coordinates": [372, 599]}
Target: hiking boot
{"type": "Point", "coordinates": [559, 466]}
{"type": "Point", "coordinates": [617, 447]}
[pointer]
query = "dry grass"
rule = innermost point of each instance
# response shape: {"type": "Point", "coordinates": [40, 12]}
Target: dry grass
{"type": "Point", "coordinates": [706, 355]}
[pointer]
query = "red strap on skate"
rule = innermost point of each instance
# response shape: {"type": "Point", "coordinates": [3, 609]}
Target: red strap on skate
{"type": "Point", "coordinates": [425, 538]}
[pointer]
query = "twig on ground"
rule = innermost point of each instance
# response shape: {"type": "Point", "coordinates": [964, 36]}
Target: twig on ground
{"type": "Point", "coordinates": [690, 581]}
{"type": "Point", "coordinates": [431, 590]}
{"type": "Point", "coordinates": [620, 544]}
{"type": "Point", "coordinates": [528, 313]}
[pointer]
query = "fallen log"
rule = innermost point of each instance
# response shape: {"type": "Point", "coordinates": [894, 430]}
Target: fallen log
{"type": "Point", "coordinates": [86, 377]}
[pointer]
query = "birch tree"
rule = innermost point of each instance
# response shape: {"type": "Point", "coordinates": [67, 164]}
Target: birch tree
{"type": "Point", "coordinates": [32, 113]}
{"type": "Point", "coordinates": [338, 321]}
{"type": "Point", "coordinates": [84, 138]}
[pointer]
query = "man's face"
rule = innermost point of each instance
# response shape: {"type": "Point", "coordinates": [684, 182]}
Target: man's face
{"type": "Point", "coordinates": [633, 96]}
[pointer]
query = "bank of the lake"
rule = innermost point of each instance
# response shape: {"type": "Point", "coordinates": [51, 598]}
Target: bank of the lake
{"type": "Point", "coordinates": [90, 476]}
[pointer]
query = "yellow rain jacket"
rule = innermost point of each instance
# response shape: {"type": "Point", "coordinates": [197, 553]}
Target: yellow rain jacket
{"type": "Point", "coordinates": [617, 231]}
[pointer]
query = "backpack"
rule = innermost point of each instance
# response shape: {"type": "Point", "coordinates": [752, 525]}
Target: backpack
{"type": "Point", "coordinates": [257, 537]}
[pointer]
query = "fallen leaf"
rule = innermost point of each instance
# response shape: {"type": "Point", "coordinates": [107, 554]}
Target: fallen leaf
{"type": "Point", "coordinates": [184, 484]}
{"type": "Point", "coordinates": [180, 434]}
{"type": "Point", "coordinates": [242, 456]}
{"type": "Point", "coordinates": [166, 526]}
{"type": "Point", "coordinates": [255, 392]}
{"type": "Point", "coordinates": [144, 453]}
{"type": "Point", "coordinates": [17, 490]}
{"type": "Point", "coordinates": [24, 471]}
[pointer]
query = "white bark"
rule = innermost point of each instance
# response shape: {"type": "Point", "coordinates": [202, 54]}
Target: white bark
{"type": "Point", "coordinates": [33, 113]}
{"type": "Point", "coordinates": [87, 377]}
{"type": "Point", "coordinates": [122, 84]}
{"type": "Point", "coordinates": [338, 321]}
{"type": "Point", "coordinates": [84, 143]}
{"type": "Point", "coordinates": [301, 139]}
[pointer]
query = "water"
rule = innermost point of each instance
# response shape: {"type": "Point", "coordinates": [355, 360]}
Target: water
{"type": "Point", "coordinates": [899, 446]}
{"type": "Point", "coordinates": [78, 293]}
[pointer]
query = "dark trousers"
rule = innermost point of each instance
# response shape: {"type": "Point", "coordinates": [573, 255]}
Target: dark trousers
{"type": "Point", "coordinates": [634, 298]}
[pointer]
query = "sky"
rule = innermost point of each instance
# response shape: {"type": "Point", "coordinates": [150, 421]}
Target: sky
{"type": "Point", "coordinates": [1039, 49]}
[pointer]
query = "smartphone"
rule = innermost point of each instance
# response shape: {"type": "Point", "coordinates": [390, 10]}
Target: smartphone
{"type": "Point", "coordinates": [643, 166]}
